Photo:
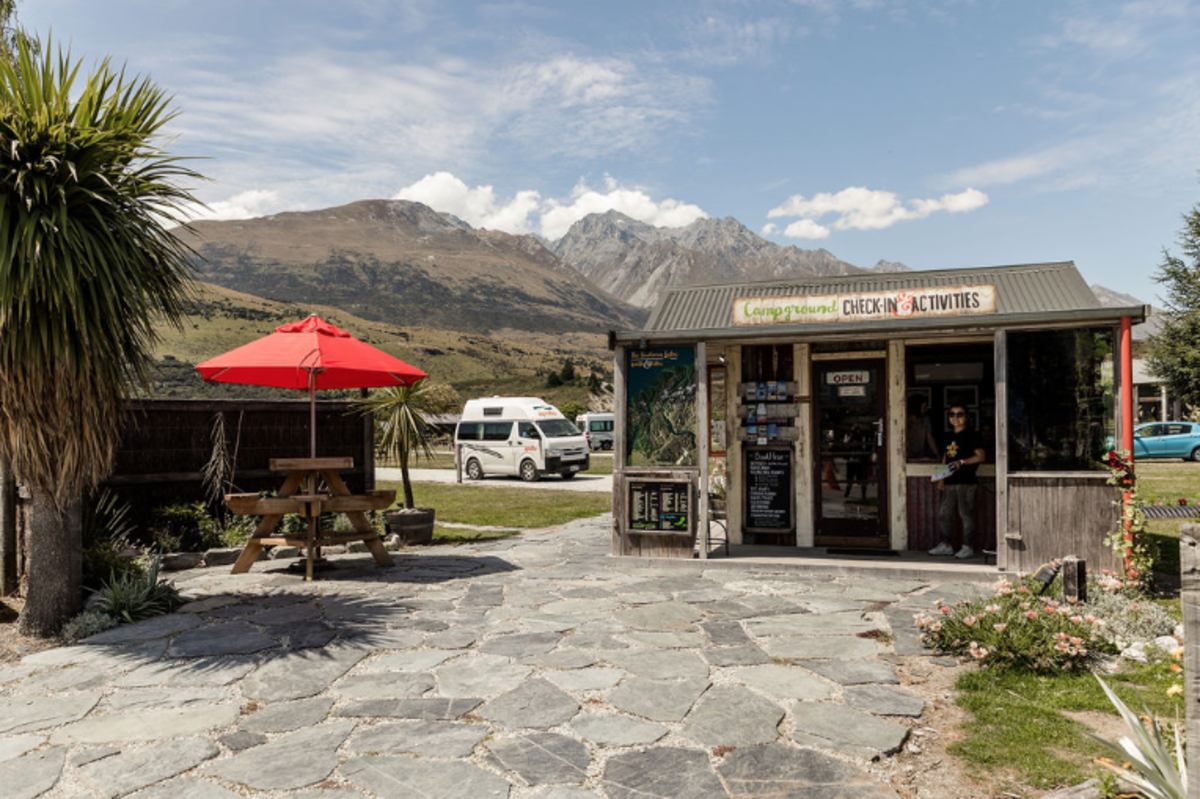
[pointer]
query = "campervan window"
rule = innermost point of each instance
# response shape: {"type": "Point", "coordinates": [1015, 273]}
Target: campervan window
{"type": "Point", "coordinates": [484, 431]}
{"type": "Point", "coordinates": [528, 430]}
{"type": "Point", "coordinates": [601, 426]}
{"type": "Point", "coordinates": [558, 428]}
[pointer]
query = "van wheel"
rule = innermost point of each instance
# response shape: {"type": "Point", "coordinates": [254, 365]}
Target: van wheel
{"type": "Point", "coordinates": [474, 470]}
{"type": "Point", "coordinates": [529, 471]}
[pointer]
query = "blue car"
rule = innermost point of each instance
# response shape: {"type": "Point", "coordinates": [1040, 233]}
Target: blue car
{"type": "Point", "coordinates": [1167, 440]}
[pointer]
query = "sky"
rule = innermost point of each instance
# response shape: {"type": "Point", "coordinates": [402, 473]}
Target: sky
{"type": "Point", "coordinates": [937, 133]}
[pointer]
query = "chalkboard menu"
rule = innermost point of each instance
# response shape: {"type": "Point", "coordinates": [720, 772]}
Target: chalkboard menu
{"type": "Point", "coordinates": [769, 489]}
{"type": "Point", "coordinates": [661, 507]}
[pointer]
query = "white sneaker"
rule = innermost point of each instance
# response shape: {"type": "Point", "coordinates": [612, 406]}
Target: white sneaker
{"type": "Point", "coordinates": [942, 549]}
{"type": "Point", "coordinates": [964, 553]}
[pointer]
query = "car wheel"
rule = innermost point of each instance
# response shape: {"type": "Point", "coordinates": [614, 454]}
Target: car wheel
{"type": "Point", "coordinates": [568, 475]}
{"type": "Point", "coordinates": [1196, 454]}
{"type": "Point", "coordinates": [474, 470]}
{"type": "Point", "coordinates": [529, 472]}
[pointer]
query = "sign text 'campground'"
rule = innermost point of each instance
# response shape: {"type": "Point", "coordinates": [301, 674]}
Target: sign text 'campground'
{"type": "Point", "coordinates": [875, 305]}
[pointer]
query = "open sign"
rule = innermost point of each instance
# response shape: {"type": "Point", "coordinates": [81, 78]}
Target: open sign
{"type": "Point", "coordinates": [852, 377]}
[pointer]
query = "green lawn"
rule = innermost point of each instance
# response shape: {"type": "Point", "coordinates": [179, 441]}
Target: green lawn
{"type": "Point", "coordinates": [509, 508]}
{"type": "Point", "coordinates": [1168, 481]}
{"type": "Point", "coordinates": [1018, 724]}
{"type": "Point", "coordinates": [600, 464]}
{"type": "Point", "coordinates": [460, 535]}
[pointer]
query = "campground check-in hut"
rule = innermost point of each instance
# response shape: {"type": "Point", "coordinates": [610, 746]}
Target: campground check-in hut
{"type": "Point", "coordinates": [793, 399]}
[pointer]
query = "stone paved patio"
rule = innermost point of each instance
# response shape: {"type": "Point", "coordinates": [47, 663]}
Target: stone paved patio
{"type": "Point", "coordinates": [530, 667]}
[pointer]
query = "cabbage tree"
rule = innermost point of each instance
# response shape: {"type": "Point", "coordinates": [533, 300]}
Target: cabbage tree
{"type": "Point", "coordinates": [87, 267]}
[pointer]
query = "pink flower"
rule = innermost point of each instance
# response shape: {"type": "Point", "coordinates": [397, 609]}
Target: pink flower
{"type": "Point", "coordinates": [999, 627]}
{"type": "Point", "coordinates": [1022, 590]}
{"type": "Point", "coordinates": [944, 610]}
{"type": "Point", "coordinates": [1077, 620]}
{"type": "Point", "coordinates": [1062, 646]}
{"type": "Point", "coordinates": [1024, 606]}
{"type": "Point", "coordinates": [992, 608]}
{"type": "Point", "coordinates": [969, 621]}
{"type": "Point", "coordinates": [1061, 636]}
{"type": "Point", "coordinates": [1090, 619]}
{"type": "Point", "coordinates": [1076, 641]}
{"type": "Point", "coordinates": [1031, 614]}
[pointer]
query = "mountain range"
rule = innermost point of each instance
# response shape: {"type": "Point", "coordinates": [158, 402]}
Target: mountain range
{"type": "Point", "coordinates": [404, 263]}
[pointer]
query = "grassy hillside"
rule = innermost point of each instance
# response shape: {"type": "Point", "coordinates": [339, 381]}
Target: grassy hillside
{"type": "Point", "coordinates": [508, 362]}
{"type": "Point", "coordinates": [403, 263]}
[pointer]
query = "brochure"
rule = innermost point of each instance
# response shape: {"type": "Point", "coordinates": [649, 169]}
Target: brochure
{"type": "Point", "coordinates": [942, 471]}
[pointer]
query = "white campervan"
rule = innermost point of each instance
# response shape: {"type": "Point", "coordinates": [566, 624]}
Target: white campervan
{"type": "Point", "coordinates": [525, 436]}
{"type": "Point", "coordinates": [597, 429]}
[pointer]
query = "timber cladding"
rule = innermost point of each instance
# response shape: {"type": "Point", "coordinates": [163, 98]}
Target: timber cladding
{"type": "Point", "coordinates": [165, 445]}
{"type": "Point", "coordinates": [1052, 516]}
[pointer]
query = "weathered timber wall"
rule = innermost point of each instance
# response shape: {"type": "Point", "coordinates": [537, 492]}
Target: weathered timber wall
{"type": "Point", "coordinates": [1052, 516]}
{"type": "Point", "coordinates": [924, 503]}
{"type": "Point", "coordinates": [166, 443]}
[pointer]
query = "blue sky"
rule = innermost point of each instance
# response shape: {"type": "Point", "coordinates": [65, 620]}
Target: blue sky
{"type": "Point", "coordinates": [939, 133]}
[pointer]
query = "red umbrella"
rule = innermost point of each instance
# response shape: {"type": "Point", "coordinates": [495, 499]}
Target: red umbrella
{"type": "Point", "coordinates": [309, 355]}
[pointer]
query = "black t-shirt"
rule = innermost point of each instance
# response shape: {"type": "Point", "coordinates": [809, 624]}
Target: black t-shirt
{"type": "Point", "coordinates": [958, 447]}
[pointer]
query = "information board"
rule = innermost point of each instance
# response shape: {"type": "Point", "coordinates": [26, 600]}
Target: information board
{"type": "Point", "coordinates": [663, 507]}
{"type": "Point", "coordinates": [769, 489]}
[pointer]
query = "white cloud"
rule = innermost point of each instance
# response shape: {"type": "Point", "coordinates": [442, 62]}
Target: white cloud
{"type": "Point", "coordinates": [806, 229]}
{"type": "Point", "coordinates": [1122, 34]}
{"type": "Point", "coordinates": [244, 205]}
{"type": "Point", "coordinates": [769, 228]}
{"type": "Point", "coordinates": [858, 208]}
{"type": "Point", "coordinates": [557, 217]}
{"type": "Point", "coordinates": [478, 206]}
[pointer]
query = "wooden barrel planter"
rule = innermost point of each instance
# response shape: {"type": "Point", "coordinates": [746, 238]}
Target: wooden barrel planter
{"type": "Point", "coordinates": [414, 525]}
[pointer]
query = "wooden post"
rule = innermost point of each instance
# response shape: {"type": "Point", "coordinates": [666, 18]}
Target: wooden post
{"type": "Point", "coordinates": [805, 451]}
{"type": "Point", "coordinates": [1189, 571]}
{"type": "Point", "coordinates": [620, 447]}
{"type": "Point", "coordinates": [896, 454]}
{"type": "Point", "coordinates": [1074, 574]}
{"type": "Point", "coordinates": [1000, 369]}
{"type": "Point", "coordinates": [1127, 419]}
{"type": "Point", "coordinates": [703, 438]}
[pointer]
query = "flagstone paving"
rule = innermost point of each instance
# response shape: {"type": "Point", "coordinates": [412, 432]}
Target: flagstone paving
{"type": "Point", "coordinates": [530, 668]}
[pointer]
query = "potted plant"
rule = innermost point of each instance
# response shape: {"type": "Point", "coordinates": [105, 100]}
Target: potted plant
{"type": "Point", "coordinates": [403, 434]}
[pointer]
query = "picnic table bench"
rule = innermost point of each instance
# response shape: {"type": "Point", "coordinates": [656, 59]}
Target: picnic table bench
{"type": "Point", "coordinates": [308, 474]}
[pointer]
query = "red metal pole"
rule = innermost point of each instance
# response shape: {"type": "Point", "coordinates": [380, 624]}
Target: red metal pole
{"type": "Point", "coordinates": [1127, 424]}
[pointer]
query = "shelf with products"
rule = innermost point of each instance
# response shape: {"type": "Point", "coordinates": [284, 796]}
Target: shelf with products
{"type": "Point", "coordinates": [768, 412]}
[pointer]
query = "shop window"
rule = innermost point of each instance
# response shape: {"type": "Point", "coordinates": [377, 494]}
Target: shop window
{"type": "Point", "coordinates": [660, 406]}
{"type": "Point", "coordinates": [716, 410]}
{"type": "Point", "coordinates": [1060, 399]}
{"type": "Point", "coordinates": [939, 377]}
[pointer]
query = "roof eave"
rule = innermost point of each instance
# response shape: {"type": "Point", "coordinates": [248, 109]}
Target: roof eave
{"type": "Point", "coordinates": [1029, 321]}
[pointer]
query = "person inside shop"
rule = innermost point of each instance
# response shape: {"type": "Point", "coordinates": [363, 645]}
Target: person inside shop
{"type": "Point", "coordinates": [962, 453]}
{"type": "Point", "coordinates": [921, 444]}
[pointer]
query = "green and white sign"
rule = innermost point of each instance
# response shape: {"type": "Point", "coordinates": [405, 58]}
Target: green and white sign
{"type": "Point", "coordinates": [865, 306]}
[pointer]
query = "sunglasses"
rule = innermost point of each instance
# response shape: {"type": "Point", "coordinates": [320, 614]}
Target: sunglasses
{"type": "Point", "coordinates": [956, 413]}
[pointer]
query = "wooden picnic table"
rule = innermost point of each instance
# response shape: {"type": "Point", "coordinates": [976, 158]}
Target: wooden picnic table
{"type": "Point", "coordinates": [308, 475]}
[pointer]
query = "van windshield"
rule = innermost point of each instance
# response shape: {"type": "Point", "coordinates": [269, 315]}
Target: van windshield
{"type": "Point", "coordinates": [558, 428]}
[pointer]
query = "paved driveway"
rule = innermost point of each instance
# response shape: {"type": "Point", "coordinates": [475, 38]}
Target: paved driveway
{"type": "Point", "coordinates": [522, 668]}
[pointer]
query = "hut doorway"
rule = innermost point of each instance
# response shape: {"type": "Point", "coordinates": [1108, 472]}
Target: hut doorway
{"type": "Point", "coordinates": [850, 413]}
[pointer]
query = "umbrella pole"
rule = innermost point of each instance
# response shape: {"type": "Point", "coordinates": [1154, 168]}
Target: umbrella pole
{"type": "Point", "coordinates": [312, 416]}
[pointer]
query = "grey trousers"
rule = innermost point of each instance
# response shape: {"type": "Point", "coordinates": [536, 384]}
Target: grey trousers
{"type": "Point", "coordinates": [958, 499]}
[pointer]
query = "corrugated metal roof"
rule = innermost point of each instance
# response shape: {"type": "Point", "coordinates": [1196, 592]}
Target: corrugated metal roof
{"type": "Point", "coordinates": [1020, 289]}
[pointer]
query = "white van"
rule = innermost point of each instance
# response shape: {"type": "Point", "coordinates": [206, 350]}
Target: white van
{"type": "Point", "coordinates": [597, 429]}
{"type": "Point", "coordinates": [525, 436]}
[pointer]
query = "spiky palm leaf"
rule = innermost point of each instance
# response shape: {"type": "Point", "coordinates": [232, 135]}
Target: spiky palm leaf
{"type": "Point", "coordinates": [1150, 766]}
{"type": "Point", "coordinates": [400, 411]}
{"type": "Point", "coordinates": [86, 261]}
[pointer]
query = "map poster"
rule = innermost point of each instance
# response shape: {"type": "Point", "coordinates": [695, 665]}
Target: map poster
{"type": "Point", "coordinates": [661, 406]}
